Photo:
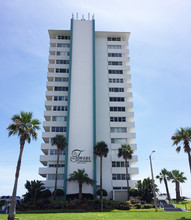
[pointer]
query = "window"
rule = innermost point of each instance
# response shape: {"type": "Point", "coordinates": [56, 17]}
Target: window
{"type": "Point", "coordinates": [116, 99]}
{"type": "Point", "coordinates": [114, 39]}
{"type": "Point", "coordinates": [114, 54]}
{"type": "Point", "coordinates": [118, 140]}
{"type": "Point", "coordinates": [59, 118]}
{"type": "Point", "coordinates": [54, 165]}
{"type": "Point", "coordinates": [119, 163]}
{"type": "Point", "coordinates": [118, 130]}
{"type": "Point", "coordinates": [114, 46]}
{"type": "Point", "coordinates": [62, 53]}
{"type": "Point", "coordinates": [63, 45]}
{"type": "Point", "coordinates": [62, 70]}
{"type": "Point", "coordinates": [60, 88]}
{"type": "Point", "coordinates": [62, 61]}
{"type": "Point", "coordinates": [115, 63]}
{"type": "Point", "coordinates": [58, 129]}
{"type": "Point", "coordinates": [115, 71]}
{"type": "Point", "coordinates": [60, 108]}
{"type": "Point", "coordinates": [116, 89]}
{"type": "Point", "coordinates": [53, 176]}
{"type": "Point", "coordinates": [118, 119]}
{"type": "Point", "coordinates": [60, 98]}
{"type": "Point", "coordinates": [55, 152]}
{"type": "Point", "coordinates": [117, 109]}
{"type": "Point", "coordinates": [61, 79]}
{"type": "Point", "coordinates": [115, 80]}
{"type": "Point", "coordinates": [120, 176]}
{"type": "Point", "coordinates": [63, 37]}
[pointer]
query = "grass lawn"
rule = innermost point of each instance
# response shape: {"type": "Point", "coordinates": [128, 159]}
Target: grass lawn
{"type": "Point", "coordinates": [132, 214]}
{"type": "Point", "coordinates": [182, 204]}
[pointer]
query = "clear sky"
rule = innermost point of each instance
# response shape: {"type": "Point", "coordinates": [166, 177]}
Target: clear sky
{"type": "Point", "coordinates": [160, 54]}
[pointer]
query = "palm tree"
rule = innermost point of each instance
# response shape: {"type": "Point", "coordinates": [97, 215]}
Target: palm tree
{"type": "Point", "coordinates": [145, 189]}
{"type": "Point", "coordinates": [101, 150]}
{"type": "Point", "coordinates": [81, 177]}
{"type": "Point", "coordinates": [163, 176]}
{"type": "Point", "coordinates": [126, 152]}
{"type": "Point", "coordinates": [34, 188]}
{"type": "Point", "coordinates": [25, 127]}
{"type": "Point", "coordinates": [177, 178]}
{"type": "Point", "coordinates": [60, 141]}
{"type": "Point", "coordinates": [183, 137]}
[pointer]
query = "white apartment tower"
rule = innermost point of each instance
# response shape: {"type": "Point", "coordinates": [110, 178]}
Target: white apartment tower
{"type": "Point", "coordinates": [88, 99]}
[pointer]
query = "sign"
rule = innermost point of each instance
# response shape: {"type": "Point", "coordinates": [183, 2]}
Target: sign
{"type": "Point", "coordinates": [77, 157]}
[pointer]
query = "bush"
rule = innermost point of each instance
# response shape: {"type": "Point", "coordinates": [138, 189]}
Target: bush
{"type": "Point", "coordinates": [2, 202]}
{"type": "Point", "coordinates": [59, 192]}
{"type": "Point", "coordinates": [133, 192]}
{"type": "Point", "coordinates": [45, 194]}
{"type": "Point", "coordinates": [87, 196]}
{"type": "Point", "coordinates": [99, 192]}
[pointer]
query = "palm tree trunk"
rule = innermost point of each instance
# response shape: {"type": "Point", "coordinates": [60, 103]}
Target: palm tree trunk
{"type": "Point", "coordinates": [177, 191]}
{"type": "Point", "coordinates": [56, 177]}
{"type": "Point", "coordinates": [127, 176]}
{"type": "Point", "coordinates": [189, 159]}
{"type": "Point", "coordinates": [80, 190]}
{"type": "Point", "coordinates": [12, 210]}
{"type": "Point", "coordinates": [167, 191]}
{"type": "Point", "coordinates": [101, 192]}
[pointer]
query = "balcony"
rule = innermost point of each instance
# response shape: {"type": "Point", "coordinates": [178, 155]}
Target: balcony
{"type": "Point", "coordinates": [43, 171]}
{"type": "Point", "coordinates": [131, 170]}
{"type": "Point", "coordinates": [45, 158]}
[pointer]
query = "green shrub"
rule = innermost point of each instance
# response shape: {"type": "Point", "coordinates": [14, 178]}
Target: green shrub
{"type": "Point", "coordinates": [59, 192]}
{"type": "Point", "coordinates": [45, 194]}
{"type": "Point", "coordinates": [99, 192]}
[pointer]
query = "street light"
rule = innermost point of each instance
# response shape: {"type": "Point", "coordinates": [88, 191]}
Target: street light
{"type": "Point", "coordinates": [155, 201]}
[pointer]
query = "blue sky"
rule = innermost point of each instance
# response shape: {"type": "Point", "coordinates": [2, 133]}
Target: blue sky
{"type": "Point", "coordinates": [160, 51]}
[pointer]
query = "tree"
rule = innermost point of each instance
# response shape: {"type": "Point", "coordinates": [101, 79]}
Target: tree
{"type": "Point", "coordinates": [183, 137]}
{"type": "Point", "coordinates": [60, 141]}
{"type": "Point", "coordinates": [25, 127]}
{"type": "Point", "coordinates": [81, 177]}
{"type": "Point", "coordinates": [164, 176]}
{"type": "Point", "coordinates": [126, 152]}
{"type": "Point", "coordinates": [176, 177]}
{"type": "Point", "coordinates": [145, 189]}
{"type": "Point", "coordinates": [34, 190]}
{"type": "Point", "coordinates": [101, 150]}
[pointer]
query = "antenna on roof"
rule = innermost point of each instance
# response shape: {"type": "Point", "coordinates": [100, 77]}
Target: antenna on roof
{"type": "Point", "coordinates": [88, 16]}
{"type": "Point", "coordinates": [76, 16]}
{"type": "Point", "coordinates": [93, 17]}
{"type": "Point", "coordinates": [72, 16]}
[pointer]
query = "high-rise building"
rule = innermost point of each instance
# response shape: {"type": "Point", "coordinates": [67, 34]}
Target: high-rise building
{"type": "Point", "coordinates": [88, 99]}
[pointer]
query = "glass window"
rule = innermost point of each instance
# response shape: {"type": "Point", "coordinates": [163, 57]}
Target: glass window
{"type": "Point", "coordinates": [116, 99]}
{"type": "Point", "coordinates": [61, 79]}
{"type": "Point", "coordinates": [58, 129]}
{"type": "Point", "coordinates": [62, 53]}
{"type": "Point", "coordinates": [116, 89]}
{"type": "Point", "coordinates": [63, 45]}
{"type": "Point", "coordinates": [59, 118]}
{"type": "Point", "coordinates": [62, 61]}
{"type": "Point", "coordinates": [118, 130]}
{"type": "Point", "coordinates": [60, 88]}
{"type": "Point", "coordinates": [118, 140]}
{"type": "Point", "coordinates": [62, 70]}
{"type": "Point", "coordinates": [115, 63]}
{"type": "Point", "coordinates": [117, 109]}
{"type": "Point", "coordinates": [114, 54]}
{"type": "Point", "coordinates": [60, 98]}
{"type": "Point", "coordinates": [114, 46]}
{"type": "Point", "coordinates": [115, 80]}
{"type": "Point", "coordinates": [63, 37]}
{"type": "Point", "coordinates": [115, 71]}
